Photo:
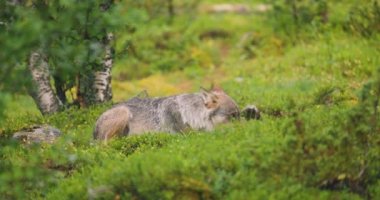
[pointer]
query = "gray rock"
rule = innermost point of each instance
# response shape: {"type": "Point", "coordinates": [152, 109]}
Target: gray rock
{"type": "Point", "coordinates": [38, 134]}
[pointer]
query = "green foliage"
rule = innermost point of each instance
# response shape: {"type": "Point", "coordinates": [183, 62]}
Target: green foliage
{"type": "Point", "coordinates": [318, 138]}
{"type": "Point", "coordinates": [71, 36]}
{"type": "Point", "coordinates": [304, 19]}
{"type": "Point", "coordinates": [164, 9]}
{"type": "Point", "coordinates": [131, 145]}
{"type": "Point", "coordinates": [46, 165]}
{"type": "Point", "coordinates": [156, 43]}
{"type": "Point", "coordinates": [364, 19]}
{"type": "Point", "coordinates": [290, 18]}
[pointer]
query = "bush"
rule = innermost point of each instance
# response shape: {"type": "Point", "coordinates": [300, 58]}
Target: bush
{"type": "Point", "coordinates": [292, 18]}
{"type": "Point", "coordinates": [364, 18]}
{"type": "Point", "coordinates": [318, 137]}
{"type": "Point", "coordinates": [31, 171]}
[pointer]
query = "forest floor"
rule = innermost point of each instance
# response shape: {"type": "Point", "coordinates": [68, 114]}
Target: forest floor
{"type": "Point", "coordinates": [306, 146]}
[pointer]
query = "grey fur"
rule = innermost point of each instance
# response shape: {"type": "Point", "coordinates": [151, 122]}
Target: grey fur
{"type": "Point", "coordinates": [197, 111]}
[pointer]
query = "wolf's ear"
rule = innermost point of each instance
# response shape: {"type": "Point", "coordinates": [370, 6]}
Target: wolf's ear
{"type": "Point", "coordinates": [202, 89]}
{"type": "Point", "coordinates": [210, 100]}
{"type": "Point", "coordinates": [217, 89]}
{"type": "Point", "coordinates": [205, 93]}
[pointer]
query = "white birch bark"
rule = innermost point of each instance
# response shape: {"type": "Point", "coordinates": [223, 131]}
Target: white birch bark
{"type": "Point", "coordinates": [42, 91]}
{"type": "Point", "coordinates": [102, 78]}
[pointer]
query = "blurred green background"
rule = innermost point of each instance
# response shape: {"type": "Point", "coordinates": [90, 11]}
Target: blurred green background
{"type": "Point", "coordinates": [311, 66]}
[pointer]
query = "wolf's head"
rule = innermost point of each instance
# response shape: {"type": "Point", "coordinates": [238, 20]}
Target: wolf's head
{"type": "Point", "coordinates": [222, 107]}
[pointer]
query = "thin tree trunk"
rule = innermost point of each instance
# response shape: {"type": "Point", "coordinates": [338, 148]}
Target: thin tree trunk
{"type": "Point", "coordinates": [94, 86]}
{"type": "Point", "coordinates": [102, 78]}
{"type": "Point", "coordinates": [60, 89]}
{"type": "Point", "coordinates": [170, 10]}
{"type": "Point", "coordinates": [294, 12]}
{"type": "Point", "coordinates": [324, 11]}
{"type": "Point", "coordinates": [85, 90]}
{"type": "Point", "coordinates": [42, 91]}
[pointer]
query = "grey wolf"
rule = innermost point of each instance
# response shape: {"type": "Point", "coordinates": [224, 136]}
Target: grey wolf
{"type": "Point", "coordinates": [197, 111]}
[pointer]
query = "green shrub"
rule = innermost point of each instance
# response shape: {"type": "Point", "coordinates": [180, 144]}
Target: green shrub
{"type": "Point", "coordinates": [318, 137]}
{"type": "Point", "coordinates": [293, 19]}
{"type": "Point", "coordinates": [364, 18]}
{"type": "Point", "coordinates": [131, 145]}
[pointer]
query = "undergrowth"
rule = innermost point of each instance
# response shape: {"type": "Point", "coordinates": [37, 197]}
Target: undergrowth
{"type": "Point", "coordinates": [318, 91]}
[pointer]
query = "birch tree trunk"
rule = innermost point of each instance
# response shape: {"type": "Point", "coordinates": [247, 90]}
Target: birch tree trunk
{"type": "Point", "coordinates": [102, 78]}
{"type": "Point", "coordinates": [95, 86]}
{"type": "Point", "coordinates": [42, 92]}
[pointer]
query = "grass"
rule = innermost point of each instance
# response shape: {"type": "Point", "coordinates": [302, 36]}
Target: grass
{"type": "Point", "coordinates": [318, 138]}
